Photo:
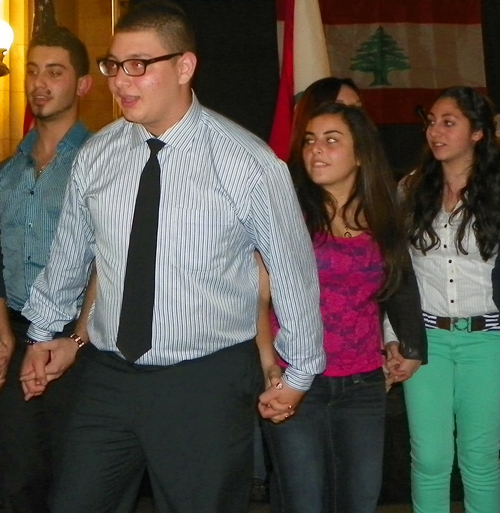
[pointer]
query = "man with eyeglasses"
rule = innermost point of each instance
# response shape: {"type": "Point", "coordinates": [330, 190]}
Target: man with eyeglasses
{"type": "Point", "coordinates": [173, 200]}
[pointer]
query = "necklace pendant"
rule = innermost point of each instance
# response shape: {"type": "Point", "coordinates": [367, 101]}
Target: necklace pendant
{"type": "Point", "coordinates": [40, 169]}
{"type": "Point", "coordinates": [347, 233]}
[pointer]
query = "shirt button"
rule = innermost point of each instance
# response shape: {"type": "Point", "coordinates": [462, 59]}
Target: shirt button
{"type": "Point", "coordinates": [29, 258]}
{"type": "Point", "coordinates": [451, 281]}
{"type": "Point", "coordinates": [30, 225]}
{"type": "Point", "coordinates": [446, 226]}
{"type": "Point", "coordinates": [445, 246]}
{"type": "Point", "coordinates": [449, 261]}
{"type": "Point", "coordinates": [452, 301]}
{"type": "Point", "coordinates": [32, 192]}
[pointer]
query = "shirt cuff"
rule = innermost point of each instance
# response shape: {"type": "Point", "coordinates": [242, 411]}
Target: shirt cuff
{"type": "Point", "coordinates": [297, 379]}
{"type": "Point", "coordinates": [39, 334]}
{"type": "Point", "coordinates": [389, 334]}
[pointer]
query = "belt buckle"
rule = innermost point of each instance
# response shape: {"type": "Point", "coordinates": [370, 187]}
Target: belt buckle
{"type": "Point", "coordinates": [461, 324]}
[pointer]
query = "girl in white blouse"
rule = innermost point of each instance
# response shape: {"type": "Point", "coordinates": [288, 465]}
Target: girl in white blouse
{"type": "Point", "coordinates": [453, 203]}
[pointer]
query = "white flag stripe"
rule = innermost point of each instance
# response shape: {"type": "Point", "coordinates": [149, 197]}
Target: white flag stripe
{"type": "Point", "coordinates": [309, 49]}
{"type": "Point", "coordinates": [440, 55]}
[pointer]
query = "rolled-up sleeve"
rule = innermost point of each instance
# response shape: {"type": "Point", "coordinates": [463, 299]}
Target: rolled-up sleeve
{"type": "Point", "coordinates": [285, 246]}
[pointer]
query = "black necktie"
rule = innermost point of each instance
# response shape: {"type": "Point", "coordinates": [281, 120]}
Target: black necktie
{"type": "Point", "coordinates": [136, 318]}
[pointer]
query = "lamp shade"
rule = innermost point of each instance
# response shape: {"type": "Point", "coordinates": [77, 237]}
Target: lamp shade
{"type": "Point", "coordinates": [6, 35]}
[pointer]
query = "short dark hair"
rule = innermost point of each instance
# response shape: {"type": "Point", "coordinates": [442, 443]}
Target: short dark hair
{"type": "Point", "coordinates": [167, 19]}
{"type": "Point", "coordinates": [64, 38]}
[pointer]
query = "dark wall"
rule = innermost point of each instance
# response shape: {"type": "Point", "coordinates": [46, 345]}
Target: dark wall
{"type": "Point", "coordinates": [491, 44]}
{"type": "Point", "coordinates": [403, 145]}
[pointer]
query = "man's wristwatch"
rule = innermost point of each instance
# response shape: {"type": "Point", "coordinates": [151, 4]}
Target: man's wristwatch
{"type": "Point", "coordinates": [79, 340]}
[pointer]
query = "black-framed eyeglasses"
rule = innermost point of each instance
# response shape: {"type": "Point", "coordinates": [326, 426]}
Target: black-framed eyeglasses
{"type": "Point", "coordinates": [132, 67]}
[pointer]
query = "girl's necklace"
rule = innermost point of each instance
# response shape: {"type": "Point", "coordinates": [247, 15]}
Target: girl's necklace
{"type": "Point", "coordinates": [347, 232]}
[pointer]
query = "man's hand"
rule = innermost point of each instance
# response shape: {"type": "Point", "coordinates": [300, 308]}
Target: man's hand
{"type": "Point", "coordinates": [399, 367]}
{"type": "Point", "coordinates": [279, 401]}
{"type": "Point", "coordinates": [6, 349]}
{"type": "Point", "coordinates": [33, 377]}
{"type": "Point", "coordinates": [45, 362]}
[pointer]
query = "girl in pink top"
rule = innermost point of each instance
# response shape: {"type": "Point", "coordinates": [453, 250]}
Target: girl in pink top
{"type": "Point", "coordinates": [328, 456]}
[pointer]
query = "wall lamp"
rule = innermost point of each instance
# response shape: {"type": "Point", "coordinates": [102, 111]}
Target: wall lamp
{"type": "Point", "coordinates": [6, 39]}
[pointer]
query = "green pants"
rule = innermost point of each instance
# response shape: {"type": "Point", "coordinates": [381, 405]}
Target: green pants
{"type": "Point", "coordinates": [458, 389]}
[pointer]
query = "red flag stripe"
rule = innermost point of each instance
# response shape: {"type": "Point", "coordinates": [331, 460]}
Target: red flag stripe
{"type": "Point", "coordinates": [396, 11]}
{"type": "Point", "coordinates": [282, 125]}
{"type": "Point", "coordinates": [398, 106]}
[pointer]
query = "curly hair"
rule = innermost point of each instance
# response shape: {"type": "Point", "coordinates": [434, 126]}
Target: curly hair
{"type": "Point", "coordinates": [373, 196]}
{"type": "Point", "coordinates": [480, 198]}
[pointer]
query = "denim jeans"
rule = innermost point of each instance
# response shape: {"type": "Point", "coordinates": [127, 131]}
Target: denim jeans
{"type": "Point", "coordinates": [328, 457]}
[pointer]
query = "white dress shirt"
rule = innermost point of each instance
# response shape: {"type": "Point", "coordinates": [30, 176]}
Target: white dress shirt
{"type": "Point", "coordinates": [223, 195]}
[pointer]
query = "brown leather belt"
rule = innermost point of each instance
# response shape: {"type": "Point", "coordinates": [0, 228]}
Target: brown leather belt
{"type": "Point", "coordinates": [477, 323]}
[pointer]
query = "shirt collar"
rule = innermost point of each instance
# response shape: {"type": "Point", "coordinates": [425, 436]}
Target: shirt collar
{"type": "Point", "coordinates": [74, 138]}
{"type": "Point", "coordinates": [179, 136]}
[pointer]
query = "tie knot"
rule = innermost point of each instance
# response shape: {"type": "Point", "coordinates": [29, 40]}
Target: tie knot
{"type": "Point", "coordinates": [155, 145]}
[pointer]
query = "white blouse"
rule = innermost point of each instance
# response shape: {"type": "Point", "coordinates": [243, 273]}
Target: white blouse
{"type": "Point", "coordinates": [451, 284]}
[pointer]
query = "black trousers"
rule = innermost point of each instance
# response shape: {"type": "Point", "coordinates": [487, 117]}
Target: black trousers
{"type": "Point", "coordinates": [191, 424]}
{"type": "Point", "coordinates": [30, 433]}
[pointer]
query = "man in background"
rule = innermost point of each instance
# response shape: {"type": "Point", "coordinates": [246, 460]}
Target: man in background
{"type": "Point", "coordinates": [32, 186]}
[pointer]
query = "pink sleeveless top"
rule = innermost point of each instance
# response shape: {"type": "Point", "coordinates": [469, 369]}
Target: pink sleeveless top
{"type": "Point", "coordinates": [350, 274]}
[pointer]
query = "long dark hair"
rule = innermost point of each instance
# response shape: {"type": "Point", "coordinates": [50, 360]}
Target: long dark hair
{"type": "Point", "coordinates": [322, 91]}
{"type": "Point", "coordinates": [373, 195]}
{"type": "Point", "coordinates": [480, 207]}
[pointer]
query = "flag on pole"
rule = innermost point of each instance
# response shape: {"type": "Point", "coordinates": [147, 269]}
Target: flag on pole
{"type": "Point", "coordinates": [44, 17]}
{"type": "Point", "coordinates": [304, 60]}
{"type": "Point", "coordinates": [309, 46]}
{"type": "Point", "coordinates": [282, 124]}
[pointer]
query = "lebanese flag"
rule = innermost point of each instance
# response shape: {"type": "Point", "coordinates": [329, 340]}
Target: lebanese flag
{"type": "Point", "coordinates": [401, 54]}
{"type": "Point", "coordinates": [304, 60]}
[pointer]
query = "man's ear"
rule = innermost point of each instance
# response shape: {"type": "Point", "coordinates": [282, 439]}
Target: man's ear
{"type": "Point", "coordinates": [186, 66]}
{"type": "Point", "coordinates": [83, 85]}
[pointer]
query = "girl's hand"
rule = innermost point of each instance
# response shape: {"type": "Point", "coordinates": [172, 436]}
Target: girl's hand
{"type": "Point", "coordinates": [400, 368]}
